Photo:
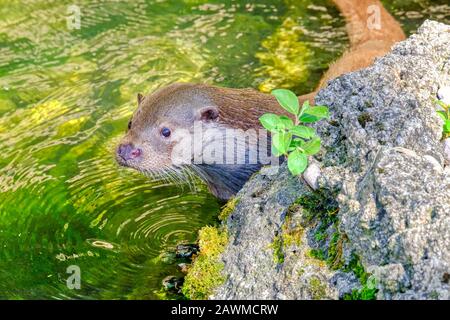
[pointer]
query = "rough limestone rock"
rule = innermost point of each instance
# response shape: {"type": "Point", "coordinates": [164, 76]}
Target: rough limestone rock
{"type": "Point", "coordinates": [380, 220]}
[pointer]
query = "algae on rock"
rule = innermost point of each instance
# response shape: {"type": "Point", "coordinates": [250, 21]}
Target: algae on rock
{"type": "Point", "coordinates": [205, 274]}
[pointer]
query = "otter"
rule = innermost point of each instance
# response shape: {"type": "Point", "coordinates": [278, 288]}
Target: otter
{"type": "Point", "coordinates": [158, 131]}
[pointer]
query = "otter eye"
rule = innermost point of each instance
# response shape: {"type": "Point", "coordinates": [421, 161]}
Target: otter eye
{"type": "Point", "coordinates": [165, 132]}
{"type": "Point", "coordinates": [129, 125]}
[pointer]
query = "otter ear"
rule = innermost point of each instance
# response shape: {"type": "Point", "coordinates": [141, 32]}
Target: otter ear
{"type": "Point", "coordinates": [140, 97]}
{"type": "Point", "coordinates": [208, 114]}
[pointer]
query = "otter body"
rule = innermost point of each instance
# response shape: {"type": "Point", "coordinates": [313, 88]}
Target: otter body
{"type": "Point", "coordinates": [163, 135]}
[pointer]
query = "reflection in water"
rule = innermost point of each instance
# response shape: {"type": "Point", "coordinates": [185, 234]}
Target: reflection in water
{"type": "Point", "coordinates": [65, 99]}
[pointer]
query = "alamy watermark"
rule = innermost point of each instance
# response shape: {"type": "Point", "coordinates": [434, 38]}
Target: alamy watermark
{"type": "Point", "coordinates": [74, 280]}
{"type": "Point", "coordinates": [73, 18]}
{"type": "Point", "coordinates": [374, 19]}
{"type": "Point", "coordinates": [222, 146]}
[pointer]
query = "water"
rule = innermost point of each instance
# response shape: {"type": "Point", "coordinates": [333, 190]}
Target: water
{"type": "Point", "coordinates": [65, 99]}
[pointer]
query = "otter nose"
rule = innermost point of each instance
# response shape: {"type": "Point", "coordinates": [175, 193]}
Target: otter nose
{"type": "Point", "coordinates": [128, 152]}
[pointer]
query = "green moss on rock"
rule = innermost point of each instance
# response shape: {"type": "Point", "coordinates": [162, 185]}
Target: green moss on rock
{"type": "Point", "coordinates": [319, 213]}
{"type": "Point", "coordinates": [290, 235]}
{"type": "Point", "coordinates": [369, 289]}
{"type": "Point", "coordinates": [317, 254]}
{"type": "Point", "coordinates": [363, 294]}
{"type": "Point", "coordinates": [317, 288]}
{"type": "Point", "coordinates": [205, 274]}
{"type": "Point", "coordinates": [277, 247]}
{"type": "Point", "coordinates": [335, 249]}
{"type": "Point", "coordinates": [228, 209]}
{"type": "Point", "coordinates": [318, 206]}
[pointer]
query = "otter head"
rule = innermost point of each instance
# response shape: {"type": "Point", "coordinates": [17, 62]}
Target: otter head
{"type": "Point", "coordinates": [162, 122]}
{"type": "Point", "coordinates": [161, 137]}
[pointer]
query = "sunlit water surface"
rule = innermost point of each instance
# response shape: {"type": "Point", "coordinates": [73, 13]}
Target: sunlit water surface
{"type": "Point", "coordinates": [65, 99]}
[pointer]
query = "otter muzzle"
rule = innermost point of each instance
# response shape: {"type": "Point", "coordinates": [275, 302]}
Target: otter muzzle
{"type": "Point", "coordinates": [128, 152]}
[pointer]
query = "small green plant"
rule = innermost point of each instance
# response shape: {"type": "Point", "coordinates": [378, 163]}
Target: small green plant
{"type": "Point", "coordinates": [445, 115]}
{"type": "Point", "coordinates": [291, 138]}
{"type": "Point", "coordinates": [367, 292]}
{"type": "Point", "coordinates": [369, 288]}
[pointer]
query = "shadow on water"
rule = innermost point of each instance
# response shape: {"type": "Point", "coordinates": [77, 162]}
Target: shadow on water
{"type": "Point", "coordinates": [65, 99]}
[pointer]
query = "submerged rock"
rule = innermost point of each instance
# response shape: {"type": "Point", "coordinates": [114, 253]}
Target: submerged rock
{"type": "Point", "coordinates": [186, 251]}
{"type": "Point", "coordinates": [378, 226]}
{"type": "Point", "coordinates": [183, 267]}
{"type": "Point", "coordinates": [167, 257]}
{"type": "Point", "coordinates": [172, 284]}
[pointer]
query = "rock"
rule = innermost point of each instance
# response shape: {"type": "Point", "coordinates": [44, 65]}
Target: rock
{"type": "Point", "coordinates": [183, 267]}
{"type": "Point", "coordinates": [436, 165]}
{"type": "Point", "coordinates": [378, 224]}
{"type": "Point", "coordinates": [444, 95]}
{"type": "Point", "coordinates": [172, 284]}
{"type": "Point", "coordinates": [447, 151]}
{"type": "Point", "coordinates": [403, 221]}
{"type": "Point", "coordinates": [312, 175]}
{"type": "Point", "coordinates": [252, 262]}
{"type": "Point", "coordinates": [185, 251]}
{"type": "Point", "coordinates": [167, 257]}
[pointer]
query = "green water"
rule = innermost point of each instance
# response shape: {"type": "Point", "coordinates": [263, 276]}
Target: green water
{"type": "Point", "coordinates": [65, 99]}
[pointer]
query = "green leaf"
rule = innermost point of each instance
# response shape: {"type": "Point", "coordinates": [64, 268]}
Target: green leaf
{"type": "Point", "coordinates": [443, 115]}
{"type": "Point", "coordinates": [270, 121]}
{"type": "Point", "coordinates": [315, 114]}
{"type": "Point", "coordinates": [296, 143]}
{"type": "Point", "coordinates": [285, 123]}
{"type": "Point", "coordinates": [447, 126]}
{"type": "Point", "coordinates": [297, 162]}
{"type": "Point", "coordinates": [281, 141]}
{"type": "Point", "coordinates": [305, 107]}
{"type": "Point", "coordinates": [288, 100]}
{"type": "Point", "coordinates": [303, 132]}
{"type": "Point", "coordinates": [275, 152]}
{"type": "Point", "coordinates": [312, 147]}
